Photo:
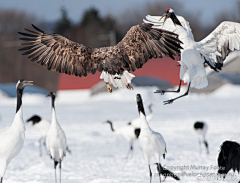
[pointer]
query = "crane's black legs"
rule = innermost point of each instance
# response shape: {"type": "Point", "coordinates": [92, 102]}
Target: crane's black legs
{"type": "Point", "coordinates": [40, 146]}
{"type": "Point", "coordinates": [1, 180]}
{"type": "Point", "coordinates": [68, 150]}
{"type": "Point", "coordinates": [164, 91]}
{"type": "Point", "coordinates": [171, 100]}
{"type": "Point", "coordinates": [60, 166]}
{"type": "Point", "coordinates": [130, 151]}
{"type": "Point", "coordinates": [206, 144]}
{"type": "Point", "coordinates": [159, 171]}
{"type": "Point", "coordinates": [150, 173]}
{"type": "Point", "coordinates": [200, 149]}
{"type": "Point", "coordinates": [55, 165]}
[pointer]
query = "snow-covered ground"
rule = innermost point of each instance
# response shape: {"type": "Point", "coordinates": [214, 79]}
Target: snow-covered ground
{"type": "Point", "coordinates": [98, 154]}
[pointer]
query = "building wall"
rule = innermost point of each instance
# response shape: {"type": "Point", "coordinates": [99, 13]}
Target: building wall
{"type": "Point", "coordinates": [164, 68]}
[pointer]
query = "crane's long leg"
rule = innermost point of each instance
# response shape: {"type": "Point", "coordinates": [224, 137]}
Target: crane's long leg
{"type": "Point", "coordinates": [129, 151]}
{"type": "Point", "coordinates": [55, 165]}
{"type": "Point", "coordinates": [68, 150]}
{"type": "Point", "coordinates": [185, 94]}
{"type": "Point", "coordinates": [159, 171]}
{"type": "Point", "coordinates": [1, 179]}
{"type": "Point", "coordinates": [60, 166]}
{"type": "Point", "coordinates": [206, 144]}
{"type": "Point", "coordinates": [40, 146]}
{"type": "Point", "coordinates": [150, 173]}
{"type": "Point", "coordinates": [200, 149]}
{"type": "Point", "coordinates": [164, 91]}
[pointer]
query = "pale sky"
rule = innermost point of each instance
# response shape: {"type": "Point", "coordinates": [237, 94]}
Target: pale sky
{"type": "Point", "coordinates": [49, 10]}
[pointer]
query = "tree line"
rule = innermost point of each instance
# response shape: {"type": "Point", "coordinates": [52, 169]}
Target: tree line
{"type": "Point", "coordinates": [92, 30]}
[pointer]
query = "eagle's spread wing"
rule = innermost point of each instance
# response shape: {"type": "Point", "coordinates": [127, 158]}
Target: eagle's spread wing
{"type": "Point", "coordinates": [59, 54]}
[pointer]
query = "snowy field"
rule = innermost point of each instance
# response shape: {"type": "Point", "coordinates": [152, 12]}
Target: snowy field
{"type": "Point", "coordinates": [98, 154]}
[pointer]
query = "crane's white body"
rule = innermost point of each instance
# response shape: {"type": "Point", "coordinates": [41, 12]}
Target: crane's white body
{"type": "Point", "coordinates": [152, 143]}
{"type": "Point", "coordinates": [202, 132]}
{"type": "Point", "coordinates": [225, 36]}
{"type": "Point", "coordinates": [127, 131]}
{"type": "Point", "coordinates": [11, 141]}
{"type": "Point", "coordinates": [56, 141]}
{"type": "Point", "coordinates": [43, 127]}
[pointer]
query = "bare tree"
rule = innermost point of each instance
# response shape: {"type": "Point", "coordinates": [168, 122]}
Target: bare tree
{"type": "Point", "coordinates": [14, 66]}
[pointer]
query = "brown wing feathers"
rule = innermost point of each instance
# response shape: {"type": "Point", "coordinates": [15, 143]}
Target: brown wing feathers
{"type": "Point", "coordinates": [59, 54]}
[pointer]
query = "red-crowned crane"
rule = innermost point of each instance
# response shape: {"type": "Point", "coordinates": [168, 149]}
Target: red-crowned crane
{"type": "Point", "coordinates": [212, 50]}
{"type": "Point", "coordinates": [56, 140]}
{"type": "Point", "coordinates": [43, 126]}
{"type": "Point", "coordinates": [12, 139]}
{"type": "Point", "coordinates": [201, 128]}
{"type": "Point", "coordinates": [129, 132]}
{"type": "Point", "coordinates": [151, 142]}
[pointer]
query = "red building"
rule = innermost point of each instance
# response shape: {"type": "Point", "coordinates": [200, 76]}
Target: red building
{"type": "Point", "coordinates": [164, 69]}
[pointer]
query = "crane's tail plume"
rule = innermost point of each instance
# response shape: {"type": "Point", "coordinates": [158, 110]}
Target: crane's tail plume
{"type": "Point", "coordinates": [166, 173]}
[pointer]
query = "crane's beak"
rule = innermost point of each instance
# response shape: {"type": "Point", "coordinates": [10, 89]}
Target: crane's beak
{"type": "Point", "coordinates": [106, 121]}
{"type": "Point", "coordinates": [151, 105]}
{"type": "Point", "coordinates": [50, 94]}
{"type": "Point", "coordinates": [165, 15]}
{"type": "Point", "coordinates": [139, 98]}
{"type": "Point", "coordinates": [25, 83]}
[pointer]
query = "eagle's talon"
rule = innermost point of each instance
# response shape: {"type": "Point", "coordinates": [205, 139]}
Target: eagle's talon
{"type": "Point", "coordinates": [109, 88]}
{"type": "Point", "coordinates": [129, 86]}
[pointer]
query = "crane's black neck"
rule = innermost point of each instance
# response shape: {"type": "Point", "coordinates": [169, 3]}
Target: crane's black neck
{"type": "Point", "coordinates": [140, 107]}
{"type": "Point", "coordinates": [19, 98]}
{"type": "Point", "coordinates": [53, 100]}
{"type": "Point", "coordinates": [175, 19]}
{"type": "Point", "coordinates": [111, 125]}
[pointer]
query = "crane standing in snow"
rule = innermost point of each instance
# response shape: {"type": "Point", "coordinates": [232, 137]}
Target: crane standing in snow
{"type": "Point", "coordinates": [11, 140]}
{"type": "Point", "coordinates": [43, 126]}
{"type": "Point", "coordinates": [56, 141]}
{"type": "Point", "coordinates": [129, 132]}
{"type": "Point", "coordinates": [212, 50]}
{"type": "Point", "coordinates": [201, 128]}
{"type": "Point", "coordinates": [152, 143]}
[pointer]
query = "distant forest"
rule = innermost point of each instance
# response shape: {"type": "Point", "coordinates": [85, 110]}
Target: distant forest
{"type": "Point", "coordinates": [92, 30]}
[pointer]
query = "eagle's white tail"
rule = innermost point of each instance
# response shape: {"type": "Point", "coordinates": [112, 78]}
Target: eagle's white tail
{"type": "Point", "coordinates": [117, 80]}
